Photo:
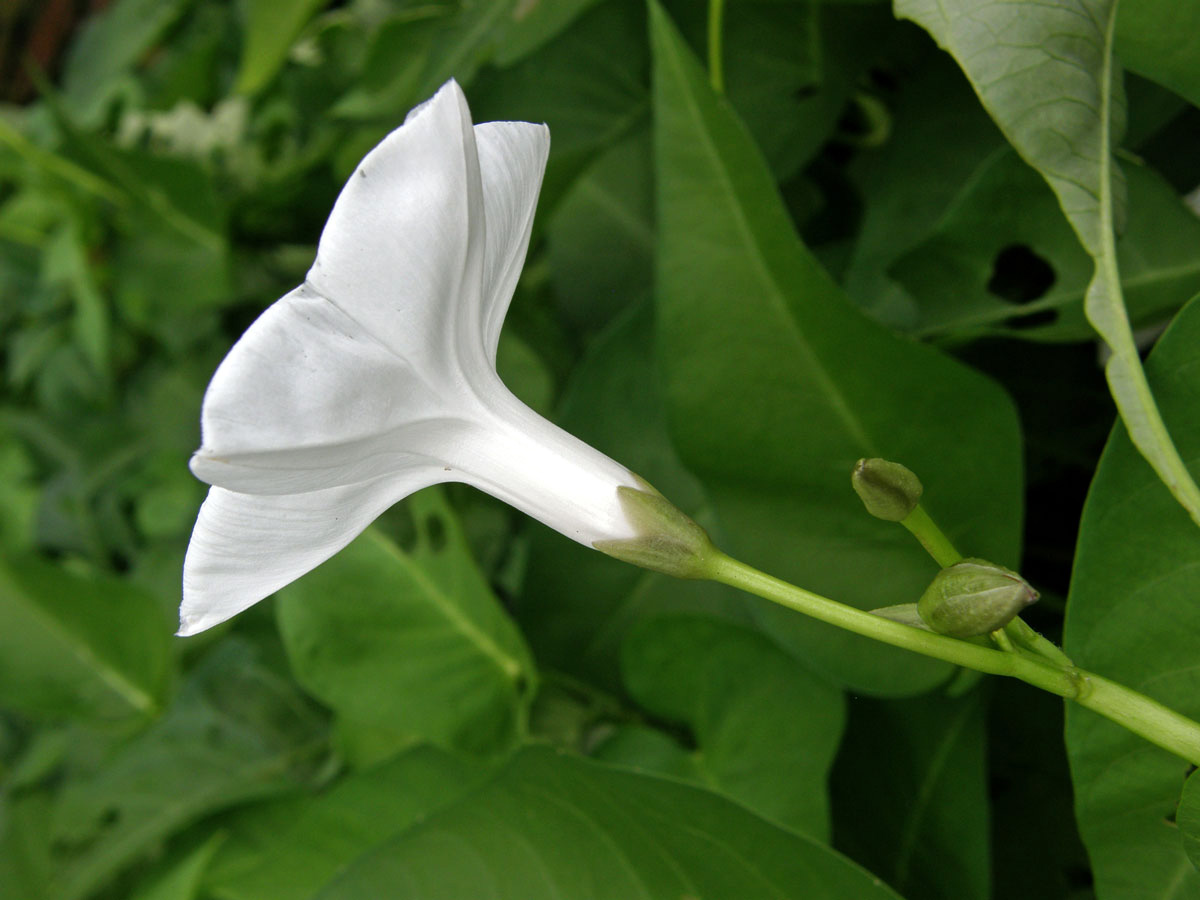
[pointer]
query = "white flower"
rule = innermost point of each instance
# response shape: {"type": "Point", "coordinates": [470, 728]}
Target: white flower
{"type": "Point", "coordinates": [377, 377]}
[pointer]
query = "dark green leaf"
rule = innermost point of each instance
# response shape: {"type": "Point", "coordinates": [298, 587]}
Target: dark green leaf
{"type": "Point", "coordinates": [911, 795]}
{"type": "Point", "coordinates": [236, 733]}
{"type": "Point", "coordinates": [553, 826]}
{"type": "Point", "coordinates": [84, 645]}
{"type": "Point", "coordinates": [307, 848]}
{"type": "Point", "coordinates": [1132, 617]}
{"type": "Point", "coordinates": [1001, 254]}
{"type": "Point", "coordinates": [1156, 38]}
{"type": "Point", "coordinates": [765, 728]}
{"type": "Point", "coordinates": [1188, 819]}
{"type": "Point", "coordinates": [411, 641]}
{"type": "Point", "coordinates": [776, 385]}
{"type": "Point", "coordinates": [270, 27]}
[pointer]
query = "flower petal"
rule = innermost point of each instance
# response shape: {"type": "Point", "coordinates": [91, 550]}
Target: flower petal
{"type": "Point", "coordinates": [403, 248]}
{"type": "Point", "coordinates": [512, 161]}
{"type": "Point", "coordinates": [308, 399]}
{"type": "Point", "coordinates": [246, 547]}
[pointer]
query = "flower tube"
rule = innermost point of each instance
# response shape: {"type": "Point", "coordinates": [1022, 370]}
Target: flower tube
{"type": "Point", "coordinates": [377, 376]}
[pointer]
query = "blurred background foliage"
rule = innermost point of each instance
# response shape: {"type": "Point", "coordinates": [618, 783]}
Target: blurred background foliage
{"type": "Point", "coordinates": [165, 170]}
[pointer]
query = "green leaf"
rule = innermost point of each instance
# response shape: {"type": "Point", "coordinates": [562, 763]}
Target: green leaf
{"type": "Point", "coordinates": [181, 881]}
{"type": "Point", "coordinates": [911, 795]}
{"type": "Point", "coordinates": [1188, 819]}
{"type": "Point", "coordinates": [939, 137]}
{"type": "Point", "coordinates": [1132, 617]}
{"type": "Point", "coordinates": [1156, 38]}
{"type": "Point", "coordinates": [766, 729]}
{"type": "Point", "coordinates": [109, 46]}
{"type": "Point", "coordinates": [553, 826]}
{"type": "Point", "coordinates": [414, 641]}
{"type": "Point", "coordinates": [315, 840]}
{"type": "Point", "coordinates": [1047, 74]}
{"type": "Point", "coordinates": [269, 29]}
{"type": "Point", "coordinates": [972, 274]}
{"type": "Point", "coordinates": [776, 385]}
{"type": "Point", "coordinates": [237, 732]}
{"type": "Point", "coordinates": [72, 645]}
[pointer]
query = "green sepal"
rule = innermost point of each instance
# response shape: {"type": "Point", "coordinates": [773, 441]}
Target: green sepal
{"type": "Point", "coordinates": [888, 490]}
{"type": "Point", "coordinates": [668, 541]}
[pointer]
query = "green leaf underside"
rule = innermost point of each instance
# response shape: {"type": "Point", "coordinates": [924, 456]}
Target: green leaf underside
{"type": "Point", "coordinates": [1132, 617]}
{"type": "Point", "coordinates": [1047, 74]}
{"type": "Point", "coordinates": [553, 826]}
{"type": "Point", "coordinates": [414, 642]}
{"type": "Point", "coordinates": [73, 645]}
{"type": "Point", "coordinates": [776, 385]}
{"type": "Point", "coordinates": [766, 729]}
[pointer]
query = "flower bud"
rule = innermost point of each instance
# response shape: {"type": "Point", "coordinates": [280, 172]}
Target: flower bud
{"type": "Point", "coordinates": [888, 490]}
{"type": "Point", "coordinates": [974, 597]}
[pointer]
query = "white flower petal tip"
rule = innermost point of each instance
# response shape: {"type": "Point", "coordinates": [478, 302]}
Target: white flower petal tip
{"type": "Point", "coordinates": [376, 377]}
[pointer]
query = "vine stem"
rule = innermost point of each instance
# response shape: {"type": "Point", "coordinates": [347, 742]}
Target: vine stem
{"type": "Point", "coordinates": [1136, 712]}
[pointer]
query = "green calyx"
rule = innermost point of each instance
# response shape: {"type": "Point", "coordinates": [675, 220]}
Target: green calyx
{"type": "Point", "coordinates": [974, 597]}
{"type": "Point", "coordinates": [668, 541]}
{"type": "Point", "coordinates": [888, 490]}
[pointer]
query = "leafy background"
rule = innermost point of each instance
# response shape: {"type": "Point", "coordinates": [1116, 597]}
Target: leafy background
{"type": "Point", "coordinates": [859, 248]}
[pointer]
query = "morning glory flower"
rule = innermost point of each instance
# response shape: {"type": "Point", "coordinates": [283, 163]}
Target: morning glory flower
{"type": "Point", "coordinates": [377, 376]}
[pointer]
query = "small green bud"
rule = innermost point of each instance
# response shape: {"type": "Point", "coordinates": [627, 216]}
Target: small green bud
{"type": "Point", "coordinates": [904, 613]}
{"type": "Point", "coordinates": [888, 490]}
{"type": "Point", "coordinates": [974, 597]}
{"type": "Point", "coordinates": [668, 540]}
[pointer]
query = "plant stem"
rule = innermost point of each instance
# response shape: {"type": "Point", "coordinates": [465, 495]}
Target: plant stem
{"type": "Point", "coordinates": [716, 26]}
{"type": "Point", "coordinates": [1134, 711]}
{"type": "Point", "coordinates": [932, 538]}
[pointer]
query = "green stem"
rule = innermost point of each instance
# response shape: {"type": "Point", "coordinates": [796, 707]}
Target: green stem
{"type": "Point", "coordinates": [716, 27]}
{"type": "Point", "coordinates": [1126, 707]}
{"type": "Point", "coordinates": [932, 538]}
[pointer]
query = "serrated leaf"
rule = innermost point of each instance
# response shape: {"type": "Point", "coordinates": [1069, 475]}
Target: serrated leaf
{"type": "Point", "coordinates": [412, 641]}
{"type": "Point", "coordinates": [1132, 616]}
{"type": "Point", "coordinates": [552, 826]}
{"type": "Point", "coordinates": [776, 385]}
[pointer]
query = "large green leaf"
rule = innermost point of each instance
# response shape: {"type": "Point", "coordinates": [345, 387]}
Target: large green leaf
{"type": "Point", "coordinates": [553, 826]}
{"type": "Point", "coordinates": [411, 641]}
{"type": "Point", "coordinates": [309, 844]}
{"type": "Point", "coordinates": [972, 275]}
{"type": "Point", "coordinates": [1157, 38]}
{"type": "Point", "coordinates": [765, 728]}
{"type": "Point", "coordinates": [776, 384]}
{"type": "Point", "coordinates": [89, 646]}
{"type": "Point", "coordinates": [1047, 74]}
{"type": "Point", "coordinates": [910, 795]}
{"type": "Point", "coordinates": [237, 732]}
{"type": "Point", "coordinates": [1132, 616]}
